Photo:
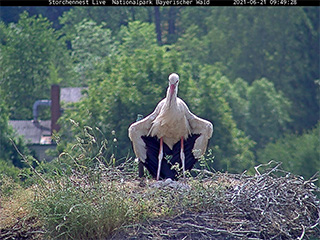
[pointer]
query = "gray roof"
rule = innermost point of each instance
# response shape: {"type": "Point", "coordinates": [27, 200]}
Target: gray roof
{"type": "Point", "coordinates": [39, 132]}
{"type": "Point", "coordinates": [34, 132]}
{"type": "Point", "coordinates": [71, 94]}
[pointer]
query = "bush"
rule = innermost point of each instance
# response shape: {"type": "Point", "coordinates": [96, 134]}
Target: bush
{"type": "Point", "coordinates": [77, 199]}
{"type": "Point", "coordinates": [83, 211]}
{"type": "Point", "coordinates": [299, 154]}
{"type": "Point", "coordinates": [7, 169]}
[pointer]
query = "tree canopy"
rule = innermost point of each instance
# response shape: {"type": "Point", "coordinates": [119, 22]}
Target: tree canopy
{"type": "Point", "coordinates": [253, 72]}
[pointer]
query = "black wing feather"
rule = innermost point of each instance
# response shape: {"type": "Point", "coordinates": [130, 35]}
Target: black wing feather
{"type": "Point", "coordinates": [173, 156]}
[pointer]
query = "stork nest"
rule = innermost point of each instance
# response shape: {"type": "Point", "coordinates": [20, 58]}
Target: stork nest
{"type": "Point", "coordinates": [264, 206]}
{"type": "Point", "coordinates": [270, 205]}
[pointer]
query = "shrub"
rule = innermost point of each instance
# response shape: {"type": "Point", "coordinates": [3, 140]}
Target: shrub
{"type": "Point", "coordinates": [81, 196]}
{"type": "Point", "coordinates": [299, 154]}
{"type": "Point", "coordinates": [8, 170]}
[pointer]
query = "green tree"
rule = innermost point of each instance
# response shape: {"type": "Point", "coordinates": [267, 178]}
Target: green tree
{"type": "Point", "coordinates": [166, 20]}
{"type": "Point", "coordinates": [135, 79]}
{"type": "Point", "coordinates": [279, 44]}
{"type": "Point", "coordinates": [11, 14]}
{"type": "Point", "coordinates": [208, 98]}
{"type": "Point", "coordinates": [32, 55]}
{"type": "Point", "coordinates": [299, 154]}
{"type": "Point", "coordinates": [268, 112]}
{"type": "Point", "coordinates": [258, 110]}
{"type": "Point", "coordinates": [117, 88]}
{"type": "Point", "coordinates": [8, 153]}
{"type": "Point", "coordinates": [90, 44]}
{"type": "Point", "coordinates": [236, 94]}
{"type": "Point", "coordinates": [113, 17]}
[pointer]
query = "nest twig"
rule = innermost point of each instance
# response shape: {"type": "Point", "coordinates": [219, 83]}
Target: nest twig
{"type": "Point", "coordinates": [264, 206]}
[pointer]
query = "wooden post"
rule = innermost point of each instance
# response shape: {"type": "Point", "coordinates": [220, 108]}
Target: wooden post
{"type": "Point", "coordinates": [55, 108]}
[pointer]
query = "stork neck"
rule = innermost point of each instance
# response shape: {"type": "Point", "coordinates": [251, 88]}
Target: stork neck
{"type": "Point", "coordinates": [172, 95]}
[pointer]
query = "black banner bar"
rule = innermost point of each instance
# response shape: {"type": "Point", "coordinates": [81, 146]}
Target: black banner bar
{"type": "Point", "coordinates": [118, 3]}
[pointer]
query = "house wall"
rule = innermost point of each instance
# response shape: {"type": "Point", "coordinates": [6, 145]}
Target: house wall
{"type": "Point", "coordinates": [40, 151]}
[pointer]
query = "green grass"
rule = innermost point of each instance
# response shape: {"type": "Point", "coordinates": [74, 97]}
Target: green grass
{"type": "Point", "coordinates": [78, 213]}
{"type": "Point", "coordinates": [84, 196]}
{"type": "Point", "coordinates": [96, 202]}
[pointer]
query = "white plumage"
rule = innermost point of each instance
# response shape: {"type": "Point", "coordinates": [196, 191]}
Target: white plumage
{"type": "Point", "coordinates": [170, 122]}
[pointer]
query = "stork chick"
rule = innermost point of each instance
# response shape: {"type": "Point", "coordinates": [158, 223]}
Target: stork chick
{"type": "Point", "coordinates": [171, 129]}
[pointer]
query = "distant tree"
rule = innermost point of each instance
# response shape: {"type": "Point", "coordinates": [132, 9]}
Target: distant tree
{"type": "Point", "coordinates": [195, 16]}
{"type": "Point", "coordinates": [172, 29]}
{"type": "Point", "coordinates": [268, 112]}
{"type": "Point", "coordinates": [157, 22]}
{"type": "Point", "coordinates": [236, 94]}
{"type": "Point", "coordinates": [166, 20]}
{"type": "Point", "coordinates": [8, 138]}
{"type": "Point", "coordinates": [208, 98]}
{"type": "Point", "coordinates": [124, 85]}
{"type": "Point", "coordinates": [113, 18]}
{"type": "Point", "coordinates": [11, 14]}
{"type": "Point", "coordinates": [258, 109]}
{"type": "Point", "coordinates": [90, 44]}
{"type": "Point", "coordinates": [280, 44]}
{"type": "Point", "coordinates": [32, 55]}
{"type": "Point", "coordinates": [299, 154]}
{"type": "Point", "coordinates": [135, 79]}
{"type": "Point", "coordinates": [137, 35]}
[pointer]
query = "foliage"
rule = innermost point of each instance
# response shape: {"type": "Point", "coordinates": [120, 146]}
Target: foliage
{"type": "Point", "coordinates": [8, 185]}
{"type": "Point", "coordinates": [137, 35]}
{"type": "Point", "coordinates": [237, 97]}
{"type": "Point", "coordinates": [274, 43]}
{"type": "Point", "coordinates": [9, 170]}
{"type": "Point", "coordinates": [258, 109]}
{"type": "Point", "coordinates": [113, 17]}
{"type": "Point", "coordinates": [299, 154]}
{"type": "Point", "coordinates": [232, 149]}
{"type": "Point", "coordinates": [258, 69]}
{"type": "Point", "coordinates": [118, 92]}
{"type": "Point", "coordinates": [11, 14]}
{"type": "Point", "coordinates": [31, 50]}
{"type": "Point", "coordinates": [90, 44]}
{"type": "Point", "coordinates": [8, 139]}
{"type": "Point", "coordinates": [268, 112]}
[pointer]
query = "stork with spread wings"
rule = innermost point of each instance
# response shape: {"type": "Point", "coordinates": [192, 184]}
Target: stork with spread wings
{"type": "Point", "coordinates": [170, 130]}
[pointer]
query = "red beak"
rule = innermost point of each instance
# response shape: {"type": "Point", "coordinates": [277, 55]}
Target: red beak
{"type": "Point", "coordinates": [172, 88]}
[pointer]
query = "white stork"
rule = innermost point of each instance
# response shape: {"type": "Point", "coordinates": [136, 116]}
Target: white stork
{"type": "Point", "coordinates": [171, 129]}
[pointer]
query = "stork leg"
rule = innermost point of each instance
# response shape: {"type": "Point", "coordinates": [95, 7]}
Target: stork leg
{"type": "Point", "coordinates": [160, 156]}
{"type": "Point", "coordinates": [182, 157]}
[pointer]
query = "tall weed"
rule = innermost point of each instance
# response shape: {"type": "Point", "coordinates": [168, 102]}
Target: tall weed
{"type": "Point", "coordinates": [84, 195]}
{"type": "Point", "coordinates": [80, 195]}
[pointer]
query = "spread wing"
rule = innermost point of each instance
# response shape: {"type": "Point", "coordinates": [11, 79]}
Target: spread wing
{"type": "Point", "coordinates": [142, 128]}
{"type": "Point", "coordinates": [202, 127]}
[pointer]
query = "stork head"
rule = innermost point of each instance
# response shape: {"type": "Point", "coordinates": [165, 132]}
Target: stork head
{"type": "Point", "coordinates": [173, 79]}
{"type": "Point", "coordinates": [173, 82]}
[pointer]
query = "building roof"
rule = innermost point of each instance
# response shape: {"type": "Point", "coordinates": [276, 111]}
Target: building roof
{"type": "Point", "coordinates": [39, 132]}
{"type": "Point", "coordinates": [71, 94]}
{"type": "Point", "coordinates": [35, 132]}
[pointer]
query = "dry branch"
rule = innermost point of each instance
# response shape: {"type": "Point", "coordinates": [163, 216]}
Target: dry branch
{"type": "Point", "coordinates": [264, 206]}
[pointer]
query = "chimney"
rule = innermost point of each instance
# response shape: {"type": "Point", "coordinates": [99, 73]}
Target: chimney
{"type": "Point", "coordinates": [55, 108]}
